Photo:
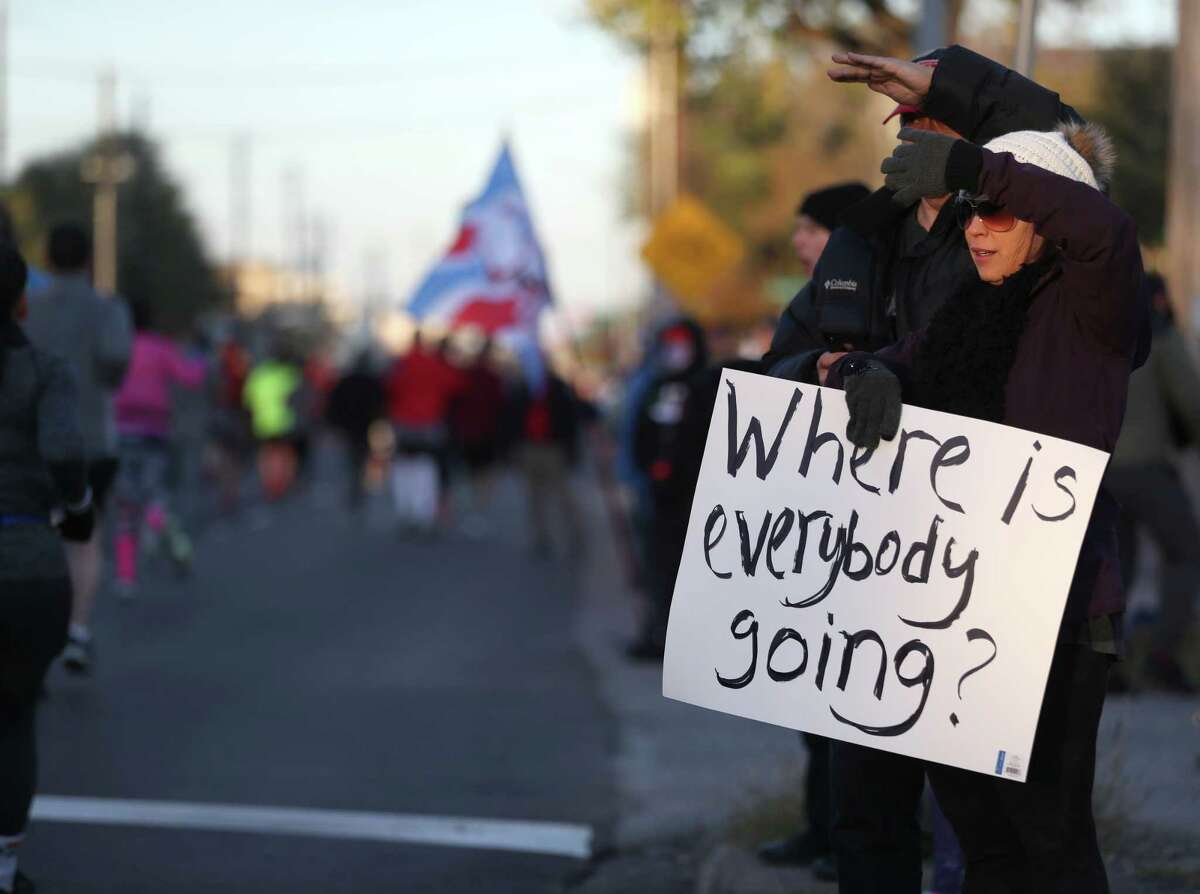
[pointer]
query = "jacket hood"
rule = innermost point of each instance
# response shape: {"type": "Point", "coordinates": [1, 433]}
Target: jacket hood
{"type": "Point", "coordinates": [700, 357]}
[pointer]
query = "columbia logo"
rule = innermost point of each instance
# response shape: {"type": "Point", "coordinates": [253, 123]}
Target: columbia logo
{"type": "Point", "coordinates": [845, 285]}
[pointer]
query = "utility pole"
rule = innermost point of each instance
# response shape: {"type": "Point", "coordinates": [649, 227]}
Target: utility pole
{"type": "Point", "coordinates": [295, 234]}
{"type": "Point", "coordinates": [662, 109]}
{"type": "Point", "coordinates": [239, 200]}
{"type": "Point", "coordinates": [663, 104]}
{"type": "Point", "coordinates": [107, 167]}
{"type": "Point", "coordinates": [1027, 38]}
{"type": "Point", "coordinates": [1183, 168]}
{"type": "Point", "coordinates": [931, 29]}
{"type": "Point", "coordinates": [3, 91]}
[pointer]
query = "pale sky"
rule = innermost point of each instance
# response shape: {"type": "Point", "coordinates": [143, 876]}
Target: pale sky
{"type": "Point", "coordinates": [392, 110]}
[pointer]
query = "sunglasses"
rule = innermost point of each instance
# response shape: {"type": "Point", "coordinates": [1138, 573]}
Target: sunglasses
{"type": "Point", "coordinates": [995, 217]}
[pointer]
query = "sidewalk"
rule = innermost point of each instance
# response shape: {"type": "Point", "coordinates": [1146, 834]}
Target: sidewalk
{"type": "Point", "coordinates": [695, 785]}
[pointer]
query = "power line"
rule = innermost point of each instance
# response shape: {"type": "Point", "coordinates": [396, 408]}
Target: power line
{"type": "Point", "coordinates": [281, 76]}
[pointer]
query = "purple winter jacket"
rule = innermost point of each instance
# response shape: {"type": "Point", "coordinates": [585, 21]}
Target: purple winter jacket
{"type": "Point", "coordinates": [1086, 331]}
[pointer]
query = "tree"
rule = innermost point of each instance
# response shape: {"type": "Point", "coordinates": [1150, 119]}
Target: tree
{"type": "Point", "coordinates": [160, 257]}
{"type": "Point", "coordinates": [761, 124]}
{"type": "Point", "coordinates": [1133, 103]}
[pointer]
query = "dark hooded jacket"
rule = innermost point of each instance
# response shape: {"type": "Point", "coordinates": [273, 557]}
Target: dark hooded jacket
{"type": "Point", "coordinates": [659, 442]}
{"type": "Point", "coordinates": [881, 276]}
{"type": "Point", "coordinates": [1086, 329]}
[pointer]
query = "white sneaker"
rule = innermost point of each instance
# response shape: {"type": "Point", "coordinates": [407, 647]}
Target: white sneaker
{"type": "Point", "coordinates": [78, 656]}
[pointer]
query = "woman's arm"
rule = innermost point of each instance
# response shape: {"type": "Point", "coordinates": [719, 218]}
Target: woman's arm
{"type": "Point", "coordinates": [982, 99]}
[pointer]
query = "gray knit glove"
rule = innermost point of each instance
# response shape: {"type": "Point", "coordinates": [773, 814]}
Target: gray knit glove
{"type": "Point", "coordinates": [917, 167]}
{"type": "Point", "coordinates": [873, 399]}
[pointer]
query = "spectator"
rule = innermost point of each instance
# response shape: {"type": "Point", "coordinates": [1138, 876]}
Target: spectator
{"type": "Point", "coordinates": [1162, 416]}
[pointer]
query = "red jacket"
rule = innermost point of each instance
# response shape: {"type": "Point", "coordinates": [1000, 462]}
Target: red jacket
{"type": "Point", "coordinates": [420, 387]}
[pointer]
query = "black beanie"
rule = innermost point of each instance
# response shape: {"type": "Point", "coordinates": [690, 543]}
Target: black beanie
{"type": "Point", "coordinates": [825, 206]}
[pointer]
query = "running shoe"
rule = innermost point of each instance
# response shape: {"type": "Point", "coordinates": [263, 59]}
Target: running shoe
{"type": "Point", "coordinates": [179, 546]}
{"type": "Point", "coordinates": [78, 655]}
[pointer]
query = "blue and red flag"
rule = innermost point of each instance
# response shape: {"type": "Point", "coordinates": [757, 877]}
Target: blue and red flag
{"type": "Point", "coordinates": [494, 274]}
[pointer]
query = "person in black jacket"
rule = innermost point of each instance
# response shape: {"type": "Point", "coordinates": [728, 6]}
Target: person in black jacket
{"type": "Point", "coordinates": [42, 466]}
{"type": "Point", "coordinates": [661, 453]}
{"type": "Point", "coordinates": [816, 218]}
{"type": "Point", "coordinates": [883, 275]}
{"type": "Point", "coordinates": [354, 405]}
{"type": "Point", "coordinates": [546, 419]}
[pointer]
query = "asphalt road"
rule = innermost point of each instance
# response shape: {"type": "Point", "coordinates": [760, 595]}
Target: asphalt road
{"type": "Point", "coordinates": [312, 662]}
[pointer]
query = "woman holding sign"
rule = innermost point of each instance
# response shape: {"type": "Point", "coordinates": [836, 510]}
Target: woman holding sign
{"type": "Point", "coordinates": [1045, 341]}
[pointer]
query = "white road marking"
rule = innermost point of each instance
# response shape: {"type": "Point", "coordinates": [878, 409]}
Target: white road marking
{"type": "Point", "coordinates": [556, 839]}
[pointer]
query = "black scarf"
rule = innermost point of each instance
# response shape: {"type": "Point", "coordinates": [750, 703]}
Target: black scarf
{"type": "Point", "coordinates": [962, 365]}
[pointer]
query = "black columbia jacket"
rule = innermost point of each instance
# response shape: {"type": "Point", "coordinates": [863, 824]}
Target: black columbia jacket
{"type": "Point", "coordinates": [865, 292]}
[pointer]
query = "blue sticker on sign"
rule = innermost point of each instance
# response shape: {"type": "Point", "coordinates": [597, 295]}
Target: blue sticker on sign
{"type": "Point", "coordinates": [1000, 763]}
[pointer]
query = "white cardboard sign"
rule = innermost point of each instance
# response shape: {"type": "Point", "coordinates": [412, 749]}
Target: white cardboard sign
{"type": "Point", "coordinates": [907, 599]}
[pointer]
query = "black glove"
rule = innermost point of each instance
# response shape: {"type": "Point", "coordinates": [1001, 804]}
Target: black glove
{"type": "Point", "coordinates": [917, 167]}
{"type": "Point", "coordinates": [78, 521]}
{"type": "Point", "coordinates": [873, 399]}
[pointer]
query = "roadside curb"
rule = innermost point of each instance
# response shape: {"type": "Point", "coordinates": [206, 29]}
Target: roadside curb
{"type": "Point", "coordinates": [734, 870]}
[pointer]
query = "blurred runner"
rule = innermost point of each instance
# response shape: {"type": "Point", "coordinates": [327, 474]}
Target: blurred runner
{"type": "Point", "coordinates": [93, 334]}
{"type": "Point", "coordinates": [269, 395]}
{"type": "Point", "coordinates": [354, 405]}
{"type": "Point", "coordinates": [475, 424]}
{"type": "Point", "coordinates": [230, 427]}
{"type": "Point", "coordinates": [143, 408]}
{"type": "Point", "coordinates": [420, 388]}
{"type": "Point", "coordinates": [549, 420]}
{"type": "Point", "coordinates": [41, 464]}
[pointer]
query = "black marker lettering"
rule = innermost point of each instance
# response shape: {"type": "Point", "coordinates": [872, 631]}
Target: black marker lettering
{"type": "Point", "coordinates": [779, 535]}
{"type": "Point", "coordinates": [826, 642]}
{"type": "Point", "coordinates": [751, 632]}
{"type": "Point", "coordinates": [892, 538]}
{"type": "Point", "coordinates": [853, 641]}
{"type": "Point", "coordinates": [965, 570]}
{"type": "Point", "coordinates": [718, 514]}
{"type": "Point", "coordinates": [860, 457]}
{"type": "Point", "coordinates": [852, 548]}
{"type": "Point", "coordinates": [901, 452]}
{"type": "Point", "coordinates": [1019, 491]}
{"type": "Point", "coordinates": [924, 549]}
{"type": "Point", "coordinates": [784, 635]}
{"type": "Point", "coordinates": [815, 442]}
{"type": "Point", "coordinates": [923, 679]}
{"type": "Point", "coordinates": [834, 559]}
{"type": "Point", "coordinates": [750, 559]}
{"type": "Point", "coordinates": [764, 460]}
{"type": "Point", "coordinates": [1059, 477]}
{"type": "Point", "coordinates": [802, 521]}
{"type": "Point", "coordinates": [946, 456]}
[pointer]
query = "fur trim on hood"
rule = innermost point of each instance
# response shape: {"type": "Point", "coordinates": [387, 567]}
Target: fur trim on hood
{"type": "Point", "coordinates": [1096, 146]}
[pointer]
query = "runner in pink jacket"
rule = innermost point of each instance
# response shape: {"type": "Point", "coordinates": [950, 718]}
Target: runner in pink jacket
{"type": "Point", "coordinates": [143, 411]}
{"type": "Point", "coordinates": [144, 402]}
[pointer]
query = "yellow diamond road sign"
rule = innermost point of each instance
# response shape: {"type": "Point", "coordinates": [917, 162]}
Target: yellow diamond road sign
{"type": "Point", "coordinates": [690, 249]}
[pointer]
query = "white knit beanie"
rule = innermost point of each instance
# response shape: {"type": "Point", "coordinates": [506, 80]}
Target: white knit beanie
{"type": "Point", "coordinates": [1048, 150]}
